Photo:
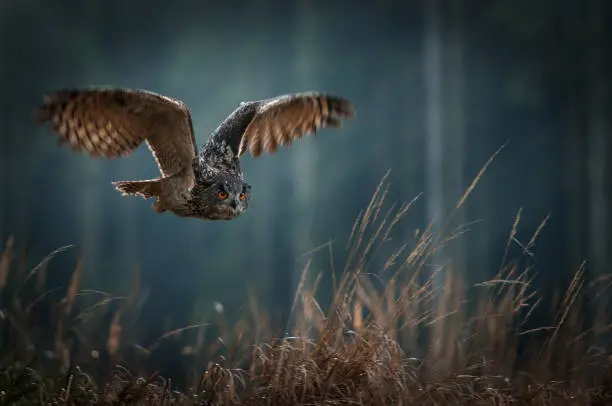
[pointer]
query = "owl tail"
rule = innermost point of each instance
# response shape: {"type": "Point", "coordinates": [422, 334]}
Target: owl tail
{"type": "Point", "coordinates": [144, 188]}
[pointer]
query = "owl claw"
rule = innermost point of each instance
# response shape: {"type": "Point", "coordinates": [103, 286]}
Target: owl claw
{"type": "Point", "coordinates": [158, 207]}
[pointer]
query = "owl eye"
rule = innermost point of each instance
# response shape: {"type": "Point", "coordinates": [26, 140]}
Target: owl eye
{"type": "Point", "coordinates": [242, 196]}
{"type": "Point", "coordinates": [222, 195]}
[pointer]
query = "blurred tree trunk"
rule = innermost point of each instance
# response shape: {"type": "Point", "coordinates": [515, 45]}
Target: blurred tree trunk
{"type": "Point", "coordinates": [577, 181]}
{"type": "Point", "coordinates": [599, 142]}
{"type": "Point", "coordinates": [4, 124]}
{"type": "Point", "coordinates": [8, 143]}
{"type": "Point", "coordinates": [90, 213]}
{"type": "Point", "coordinates": [303, 172]}
{"type": "Point", "coordinates": [433, 125]}
{"type": "Point", "coordinates": [129, 241]}
{"type": "Point", "coordinates": [263, 231]}
{"type": "Point", "coordinates": [4, 204]}
{"type": "Point", "coordinates": [576, 157]}
{"type": "Point", "coordinates": [455, 130]}
{"type": "Point", "coordinates": [128, 250]}
{"type": "Point", "coordinates": [436, 170]}
{"type": "Point", "coordinates": [90, 205]}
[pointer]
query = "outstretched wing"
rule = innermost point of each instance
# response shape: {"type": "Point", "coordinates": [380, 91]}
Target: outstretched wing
{"type": "Point", "coordinates": [114, 122]}
{"type": "Point", "coordinates": [283, 119]}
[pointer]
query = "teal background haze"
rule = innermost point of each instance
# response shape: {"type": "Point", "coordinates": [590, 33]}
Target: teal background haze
{"type": "Point", "coordinates": [438, 87]}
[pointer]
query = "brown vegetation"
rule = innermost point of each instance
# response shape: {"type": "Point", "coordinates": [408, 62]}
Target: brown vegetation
{"type": "Point", "coordinates": [414, 339]}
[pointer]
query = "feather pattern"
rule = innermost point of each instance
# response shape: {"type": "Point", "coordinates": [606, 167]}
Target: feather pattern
{"type": "Point", "coordinates": [282, 120]}
{"type": "Point", "coordinates": [114, 122]}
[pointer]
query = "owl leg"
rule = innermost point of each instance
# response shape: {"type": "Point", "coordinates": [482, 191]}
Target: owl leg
{"type": "Point", "coordinates": [144, 188]}
{"type": "Point", "coordinates": [158, 206]}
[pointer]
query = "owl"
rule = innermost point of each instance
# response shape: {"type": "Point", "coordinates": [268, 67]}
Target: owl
{"type": "Point", "coordinates": [206, 184]}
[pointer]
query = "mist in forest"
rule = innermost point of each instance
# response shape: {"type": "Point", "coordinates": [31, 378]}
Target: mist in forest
{"type": "Point", "coordinates": [437, 89]}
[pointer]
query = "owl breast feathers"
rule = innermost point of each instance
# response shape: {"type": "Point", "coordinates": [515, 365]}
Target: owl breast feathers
{"type": "Point", "coordinates": [208, 184]}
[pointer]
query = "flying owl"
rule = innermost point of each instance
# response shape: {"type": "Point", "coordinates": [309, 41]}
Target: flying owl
{"type": "Point", "coordinates": [206, 184]}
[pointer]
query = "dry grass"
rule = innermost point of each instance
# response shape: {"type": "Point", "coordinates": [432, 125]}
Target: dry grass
{"type": "Point", "coordinates": [393, 335]}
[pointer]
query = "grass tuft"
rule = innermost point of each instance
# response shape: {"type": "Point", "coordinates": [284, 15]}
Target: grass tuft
{"type": "Point", "coordinates": [393, 334]}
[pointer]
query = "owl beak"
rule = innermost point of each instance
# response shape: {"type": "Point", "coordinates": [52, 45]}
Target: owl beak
{"type": "Point", "coordinates": [234, 204]}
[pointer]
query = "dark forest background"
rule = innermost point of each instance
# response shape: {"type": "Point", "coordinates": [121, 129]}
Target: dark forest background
{"type": "Point", "coordinates": [438, 87]}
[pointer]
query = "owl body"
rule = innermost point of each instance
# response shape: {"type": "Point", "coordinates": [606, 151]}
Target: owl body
{"type": "Point", "coordinates": [207, 184]}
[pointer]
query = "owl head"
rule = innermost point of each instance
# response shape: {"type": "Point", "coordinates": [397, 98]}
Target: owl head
{"type": "Point", "coordinates": [224, 197]}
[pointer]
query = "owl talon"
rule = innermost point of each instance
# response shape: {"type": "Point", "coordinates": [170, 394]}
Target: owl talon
{"type": "Point", "coordinates": [158, 207]}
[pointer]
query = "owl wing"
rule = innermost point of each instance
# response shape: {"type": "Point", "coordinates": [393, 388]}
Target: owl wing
{"type": "Point", "coordinates": [283, 119]}
{"type": "Point", "coordinates": [114, 122]}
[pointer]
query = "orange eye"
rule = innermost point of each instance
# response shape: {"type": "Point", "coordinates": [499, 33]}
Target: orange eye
{"type": "Point", "coordinates": [242, 196]}
{"type": "Point", "coordinates": [222, 195]}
